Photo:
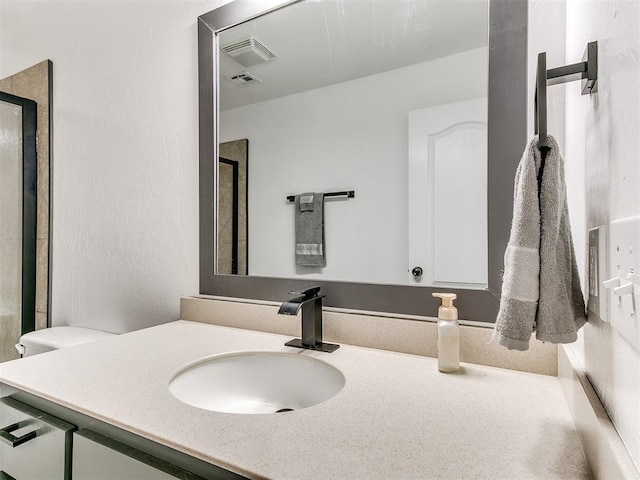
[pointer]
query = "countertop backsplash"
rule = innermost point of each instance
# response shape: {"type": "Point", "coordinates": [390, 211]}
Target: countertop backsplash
{"type": "Point", "coordinates": [413, 335]}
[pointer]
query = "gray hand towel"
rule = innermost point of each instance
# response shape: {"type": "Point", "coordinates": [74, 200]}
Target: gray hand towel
{"type": "Point", "coordinates": [541, 287]}
{"type": "Point", "coordinates": [309, 224]}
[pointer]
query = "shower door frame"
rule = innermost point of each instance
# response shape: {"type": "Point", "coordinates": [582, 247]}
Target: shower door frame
{"type": "Point", "coordinates": [29, 208]}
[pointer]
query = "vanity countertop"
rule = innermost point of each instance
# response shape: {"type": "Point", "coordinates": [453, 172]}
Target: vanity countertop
{"type": "Point", "coordinates": [396, 418]}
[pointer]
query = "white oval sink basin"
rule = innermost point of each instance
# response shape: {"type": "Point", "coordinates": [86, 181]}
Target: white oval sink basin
{"type": "Point", "coordinates": [257, 382]}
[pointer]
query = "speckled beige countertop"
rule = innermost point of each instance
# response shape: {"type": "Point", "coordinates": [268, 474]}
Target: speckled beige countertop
{"type": "Point", "coordinates": [396, 418]}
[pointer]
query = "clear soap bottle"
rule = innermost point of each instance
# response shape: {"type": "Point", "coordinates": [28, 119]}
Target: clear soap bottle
{"type": "Point", "coordinates": [448, 334]}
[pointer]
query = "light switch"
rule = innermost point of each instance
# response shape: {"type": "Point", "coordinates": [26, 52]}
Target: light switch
{"type": "Point", "coordinates": [598, 271]}
{"type": "Point", "coordinates": [624, 294]}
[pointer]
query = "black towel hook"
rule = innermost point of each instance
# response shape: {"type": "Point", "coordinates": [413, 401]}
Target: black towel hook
{"type": "Point", "coordinates": [587, 71]}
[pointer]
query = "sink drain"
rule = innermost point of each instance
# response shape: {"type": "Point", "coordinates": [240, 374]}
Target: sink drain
{"type": "Point", "coordinates": [284, 410]}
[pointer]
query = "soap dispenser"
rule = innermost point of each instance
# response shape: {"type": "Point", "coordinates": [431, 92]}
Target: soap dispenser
{"type": "Point", "coordinates": [448, 334]}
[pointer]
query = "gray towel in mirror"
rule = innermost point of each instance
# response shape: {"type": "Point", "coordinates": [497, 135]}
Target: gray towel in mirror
{"type": "Point", "coordinates": [309, 224]}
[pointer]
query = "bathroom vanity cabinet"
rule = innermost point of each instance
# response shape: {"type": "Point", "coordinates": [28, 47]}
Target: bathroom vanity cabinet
{"type": "Point", "coordinates": [98, 457]}
{"type": "Point", "coordinates": [34, 445]}
{"type": "Point", "coordinates": [389, 421]}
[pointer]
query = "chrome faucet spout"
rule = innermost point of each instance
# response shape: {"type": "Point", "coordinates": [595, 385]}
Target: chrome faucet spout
{"type": "Point", "coordinates": [311, 304]}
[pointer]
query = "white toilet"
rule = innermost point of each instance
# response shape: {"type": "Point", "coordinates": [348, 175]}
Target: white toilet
{"type": "Point", "coordinates": [54, 338]}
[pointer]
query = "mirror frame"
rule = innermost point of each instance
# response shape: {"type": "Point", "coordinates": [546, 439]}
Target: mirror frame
{"type": "Point", "coordinates": [507, 135]}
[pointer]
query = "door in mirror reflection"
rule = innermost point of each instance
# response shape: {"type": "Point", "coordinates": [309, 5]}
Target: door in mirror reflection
{"type": "Point", "coordinates": [448, 194]}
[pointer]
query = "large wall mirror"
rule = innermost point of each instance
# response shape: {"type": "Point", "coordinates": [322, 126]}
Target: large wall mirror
{"type": "Point", "coordinates": [418, 108]}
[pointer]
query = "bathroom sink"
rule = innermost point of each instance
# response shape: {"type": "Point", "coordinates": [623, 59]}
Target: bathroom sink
{"type": "Point", "coordinates": [257, 382]}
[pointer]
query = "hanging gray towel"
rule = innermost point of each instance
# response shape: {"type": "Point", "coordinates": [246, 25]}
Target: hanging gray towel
{"type": "Point", "coordinates": [541, 286]}
{"type": "Point", "coordinates": [309, 215]}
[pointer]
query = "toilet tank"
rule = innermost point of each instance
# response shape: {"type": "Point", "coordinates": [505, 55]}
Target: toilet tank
{"type": "Point", "coordinates": [55, 338]}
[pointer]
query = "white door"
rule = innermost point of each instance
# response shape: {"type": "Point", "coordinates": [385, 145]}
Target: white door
{"type": "Point", "coordinates": [448, 194]}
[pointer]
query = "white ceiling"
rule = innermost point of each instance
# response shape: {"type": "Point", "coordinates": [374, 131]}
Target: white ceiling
{"type": "Point", "coordinates": [322, 42]}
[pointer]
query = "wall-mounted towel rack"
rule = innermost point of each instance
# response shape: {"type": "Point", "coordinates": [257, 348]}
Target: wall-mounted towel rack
{"type": "Point", "coordinates": [587, 71]}
{"type": "Point", "coordinates": [348, 194]}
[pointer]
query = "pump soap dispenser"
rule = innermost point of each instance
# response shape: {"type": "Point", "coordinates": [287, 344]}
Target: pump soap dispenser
{"type": "Point", "coordinates": [448, 334]}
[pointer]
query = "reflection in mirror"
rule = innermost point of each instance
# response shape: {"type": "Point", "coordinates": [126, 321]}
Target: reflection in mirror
{"type": "Point", "coordinates": [404, 102]}
{"type": "Point", "coordinates": [232, 216]}
{"type": "Point", "coordinates": [369, 96]}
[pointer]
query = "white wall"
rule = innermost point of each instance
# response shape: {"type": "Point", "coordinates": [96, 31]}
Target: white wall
{"type": "Point", "coordinates": [348, 136]}
{"type": "Point", "coordinates": [125, 173]}
{"type": "Point", "coordinates": [546, 34]}
{"type": "Point", "coordinates": [601, 148]}
{"type": "Point", "coordinates": [602, 134]}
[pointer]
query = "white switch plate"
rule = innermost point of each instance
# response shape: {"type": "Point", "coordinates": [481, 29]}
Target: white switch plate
{"type": "Point", "coordinates": [624, 258]}
{"type": "Point", "coordinates": [598, 304]}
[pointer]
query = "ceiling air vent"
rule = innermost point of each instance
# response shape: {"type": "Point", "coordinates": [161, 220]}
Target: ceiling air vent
{"type": "Point", "coordinates": [248, 52]}
{"type": "Point", "coordinates": [243, 79]}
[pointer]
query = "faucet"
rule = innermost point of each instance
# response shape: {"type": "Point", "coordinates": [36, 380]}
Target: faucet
{"type": "Point", "coordinates": [311, 304]}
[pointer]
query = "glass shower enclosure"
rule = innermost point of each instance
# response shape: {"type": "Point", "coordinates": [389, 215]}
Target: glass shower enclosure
{"type": "Point", "coordinates": [17, 220]}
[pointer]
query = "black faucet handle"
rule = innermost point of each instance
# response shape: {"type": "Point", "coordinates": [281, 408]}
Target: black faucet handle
{"type": "Point", "coordinates": [308, 294]}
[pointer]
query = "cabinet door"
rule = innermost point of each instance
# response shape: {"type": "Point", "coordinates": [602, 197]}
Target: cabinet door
{"type": "Point", "coordinates": [33, 444]}
{"type": "Point", "coordinates": [97, 457]}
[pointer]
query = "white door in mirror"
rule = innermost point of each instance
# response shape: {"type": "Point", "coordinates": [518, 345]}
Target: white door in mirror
{"type": "Point", "coordinates": [448, 194]}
